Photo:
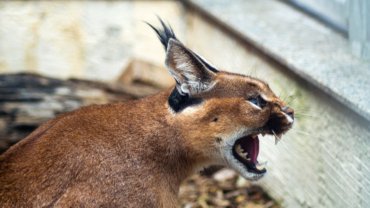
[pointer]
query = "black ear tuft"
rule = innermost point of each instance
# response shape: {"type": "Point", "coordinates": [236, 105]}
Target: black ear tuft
{"type": "Point", "coordinates": [164, 34]}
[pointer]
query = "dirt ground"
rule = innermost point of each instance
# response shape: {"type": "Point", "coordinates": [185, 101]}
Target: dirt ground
{"type": "Point", "coordinates": [224, 188]}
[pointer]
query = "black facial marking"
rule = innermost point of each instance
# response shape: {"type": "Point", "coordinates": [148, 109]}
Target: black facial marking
{"type": "Point", "coordinates": [215, 119]}
{"type": "Point", "coordinates": [179, 102]}
{"type": "Point", "coordinates": [218, 139]}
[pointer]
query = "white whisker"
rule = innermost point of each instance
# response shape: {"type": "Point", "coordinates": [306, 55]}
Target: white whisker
{"type": "Point", "coordinates": [307, 115]}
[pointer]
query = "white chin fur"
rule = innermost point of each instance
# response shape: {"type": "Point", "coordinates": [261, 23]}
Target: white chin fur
{"type": "Point", "coordinates": [235, 164]}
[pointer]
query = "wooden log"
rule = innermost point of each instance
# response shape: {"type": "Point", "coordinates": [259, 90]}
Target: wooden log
{"type": "Point", "coordinates": [27, 100]}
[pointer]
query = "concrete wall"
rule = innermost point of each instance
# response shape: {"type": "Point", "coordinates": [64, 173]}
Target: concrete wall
{"type": "Point", "coordinates": [85, 39]}
{"type": "Point", "coordinates": [324, 161]}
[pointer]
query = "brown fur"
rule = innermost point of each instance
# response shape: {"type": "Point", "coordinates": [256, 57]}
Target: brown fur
{"type": "Point", "coordinates": [133, 154]}
{"type": "Point", "coordinates": [99, 155]}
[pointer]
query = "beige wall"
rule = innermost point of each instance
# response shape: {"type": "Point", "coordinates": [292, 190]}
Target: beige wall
{"type": "Point", "coordinates": [324, 161]}
{"type": "Point", "coordinates": [85, 39]}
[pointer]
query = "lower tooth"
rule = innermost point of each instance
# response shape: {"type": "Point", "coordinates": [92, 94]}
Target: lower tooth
{"type": "Point", "coordinates": [261, 166]}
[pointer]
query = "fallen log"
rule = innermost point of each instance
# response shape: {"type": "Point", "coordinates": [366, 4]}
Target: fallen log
{"type": "Point", "coordinates": [27, 100]}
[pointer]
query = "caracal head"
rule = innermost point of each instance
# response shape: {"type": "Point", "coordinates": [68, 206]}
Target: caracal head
{"type": "Point", "coordinates": [221, 114]}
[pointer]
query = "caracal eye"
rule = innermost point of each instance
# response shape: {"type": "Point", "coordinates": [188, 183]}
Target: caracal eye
{"type": "Point", "coordinates": [257, 101]}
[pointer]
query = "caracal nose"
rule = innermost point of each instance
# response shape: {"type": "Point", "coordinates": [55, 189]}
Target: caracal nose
{"type": "Point", "coordinates": [289, 111]}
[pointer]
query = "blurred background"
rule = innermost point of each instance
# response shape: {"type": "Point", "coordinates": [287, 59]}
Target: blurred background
{"type": "Point", "coordinates": [56, 56]}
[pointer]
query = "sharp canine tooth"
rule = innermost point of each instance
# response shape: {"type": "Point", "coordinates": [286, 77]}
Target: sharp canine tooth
{"type": "Point", "coordinates": [277, 138]}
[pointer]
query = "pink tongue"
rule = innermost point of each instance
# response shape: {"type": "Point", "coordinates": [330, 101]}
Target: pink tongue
{"type": "Point", "coordinates": [252, 147]}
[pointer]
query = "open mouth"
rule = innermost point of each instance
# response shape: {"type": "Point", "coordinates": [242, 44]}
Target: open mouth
{"type": "Point", "coordinates": [241, 153]}
{"type": "Point", "coordinates": [246, 150]}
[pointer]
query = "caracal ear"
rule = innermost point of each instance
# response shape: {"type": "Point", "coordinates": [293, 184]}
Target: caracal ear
{"type": "Point", "coordinates": [191, 75]}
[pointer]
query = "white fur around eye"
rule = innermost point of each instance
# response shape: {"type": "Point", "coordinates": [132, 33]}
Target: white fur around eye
{"type": "Point", "coordinates": [263, 96]}
{"type": "Point", "coordinates": [253, 105]}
